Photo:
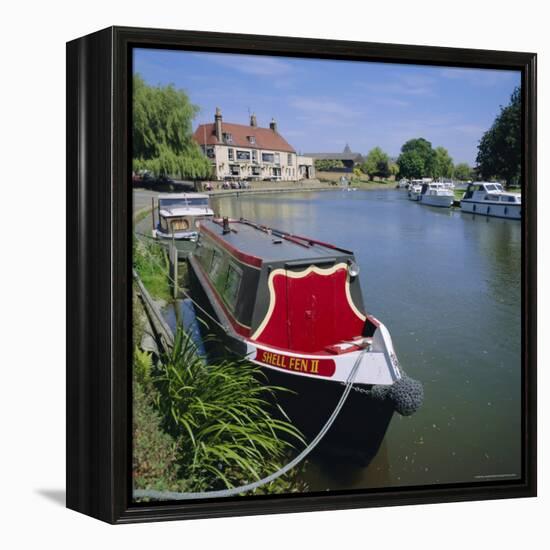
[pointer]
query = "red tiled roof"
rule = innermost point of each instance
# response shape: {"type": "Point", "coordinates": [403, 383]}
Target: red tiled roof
{"type": "Point", "coordinates": [266, 138]}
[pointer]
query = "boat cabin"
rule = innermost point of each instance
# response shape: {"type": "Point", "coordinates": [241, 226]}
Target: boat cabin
{"type": "Point", "coordinates": [179, 215]}
{"type": "Point", "coordinates": [278, 289]}
{"type": "Point", "coordinates": [494, 192]}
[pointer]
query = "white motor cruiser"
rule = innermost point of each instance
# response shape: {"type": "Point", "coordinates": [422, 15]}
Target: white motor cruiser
{"type": "Point", "coordinates": [179, 215]}
{"type": "Point", "coordinates": [490, 199]}
{"type": "Point", "coordinates": [415, 188]}
{"type": "Point", "coordinates": [436, 194]}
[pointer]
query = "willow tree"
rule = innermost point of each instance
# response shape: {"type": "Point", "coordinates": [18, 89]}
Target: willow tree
{"type": "Point", "coordinates": [162, 132]}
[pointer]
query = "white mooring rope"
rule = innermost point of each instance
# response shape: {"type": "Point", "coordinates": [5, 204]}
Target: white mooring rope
{"type": "Point", "coordinates": [169, 495]}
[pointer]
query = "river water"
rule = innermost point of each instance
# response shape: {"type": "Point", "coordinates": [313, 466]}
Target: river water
{"type": "Point", "coordinates": [448, 287]}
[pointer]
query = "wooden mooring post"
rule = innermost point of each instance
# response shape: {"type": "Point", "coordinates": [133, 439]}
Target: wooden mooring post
{"type": "Point", "coordinates": [173, 253]}
{"type": "Point", "coordinates": [174, 261]}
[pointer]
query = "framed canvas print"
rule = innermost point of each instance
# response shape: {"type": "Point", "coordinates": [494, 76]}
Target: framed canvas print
{"type": "Point", "coordinates": [301, 274]}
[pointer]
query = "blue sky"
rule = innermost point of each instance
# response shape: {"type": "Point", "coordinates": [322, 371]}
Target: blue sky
{"type": "Point", "coordinates": [320, 105]}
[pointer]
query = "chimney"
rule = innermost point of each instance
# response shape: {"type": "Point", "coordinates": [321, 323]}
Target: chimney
{"type": "Point", "coordinates": [273, 125]}
{"type": "Point", "coordinates": [225, 225]}
{"type": "Point", "coordinates": [218, 120]}
{"type": "Point", "coordinates": [253, 121]}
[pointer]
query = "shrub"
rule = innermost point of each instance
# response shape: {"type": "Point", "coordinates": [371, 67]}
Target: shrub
{"type": "Point", "coordinates": [223, 418]}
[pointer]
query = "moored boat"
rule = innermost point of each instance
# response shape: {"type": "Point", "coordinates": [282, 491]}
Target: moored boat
{"type": "Point", "coordinates": [179, 215]}
{"type": "Point", "coordinates": [415, 189]}
{"type": "Point", "coordinates": [294, 306]}
{"type": "Point", "coordinates": [403, 183]}
{"type": "Point", "coordinates": [436, 194]}
{"type": "Point", "coordinates": [490, 199]}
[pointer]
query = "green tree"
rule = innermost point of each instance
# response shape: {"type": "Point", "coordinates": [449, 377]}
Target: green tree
{"type": "Point", "coordinates": [377, 163]}
{"type": "Point", "coordinates": [417, 159]}
{"type": "Point", "coordinates": [326, 165]}
{"type": "Point", "coordinates": [462, 171]}
{"type": "Point", "coordinates": [394, 169]}
{"type": "Point", "coordinates": [162, 132]}
{"type": "Point", "coordinates": [443, 167]}
{"type": "Point", "coordinates": [499, 150]}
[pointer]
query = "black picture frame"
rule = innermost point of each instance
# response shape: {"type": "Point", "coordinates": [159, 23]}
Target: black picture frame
{"type": "Point", "coordinates": [99, 277]}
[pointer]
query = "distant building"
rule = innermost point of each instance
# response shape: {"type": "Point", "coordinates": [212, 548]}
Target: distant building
{"type": "Point", "coordinates": [348, 158]}
{"type": "Point", "coordinates": [239, 151]}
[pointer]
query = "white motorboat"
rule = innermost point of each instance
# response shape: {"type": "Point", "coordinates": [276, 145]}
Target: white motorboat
{"type": "Point", "coordinates": [403, 183]}
{"type": "Point", "coordinates": [179, 215]}
{"type": "Point", "coordinates": [490, 199]}
{"type": "Point", "coordinates": [436, 194]}
{"type": "Point", "coordinates": [449, 183]}
{"type": "Point", "coordinates": [415, 188]}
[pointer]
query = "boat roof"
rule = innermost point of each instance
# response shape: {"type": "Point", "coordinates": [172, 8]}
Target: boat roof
{"type": "Point", "coordinates": [178, 211]}
{"type": "Point", "coordinates": [182, 196]}
{"type": "Point", "coordinates": [253, 239]}
{"type": "Point", "coordinates": [486, 183]}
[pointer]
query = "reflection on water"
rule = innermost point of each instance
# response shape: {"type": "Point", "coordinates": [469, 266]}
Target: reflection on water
{"type": "Point", "coordinates": [448, 287]}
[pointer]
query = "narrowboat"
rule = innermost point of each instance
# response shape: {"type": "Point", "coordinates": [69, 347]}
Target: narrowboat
{"type": "Point", "coordinates": [293, 305]}
{"type": "Point", "coordinates": [179, 215]}
{"type": "Point", "coordinates": [490, 199]}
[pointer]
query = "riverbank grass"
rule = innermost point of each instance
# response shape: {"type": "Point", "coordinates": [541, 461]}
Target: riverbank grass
{"type": "Point", "coordinates": [151, 263]}
{"type": "Point", "coordinates": [198, 425]}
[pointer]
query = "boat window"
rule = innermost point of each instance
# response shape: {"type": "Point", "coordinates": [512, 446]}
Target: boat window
{"type": "Point", "coordinates": [179, 224]}
{"type": "Point", "coordinates": [203, 201]}
{"type": "Point", "coordinates": [232, 284]}
{"type": "Point", "coordinates": [170, 203]}
{"type": "Point", "coordinates": [490, 187]}
{"type": "Point", "coordinates": [183, 202]}
{"type": "Point", "coordinates": [163, 224]}
{"type": "Point", "coordinates": [216, 265]}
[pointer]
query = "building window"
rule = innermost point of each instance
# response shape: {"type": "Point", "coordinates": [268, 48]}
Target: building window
{"type": "Point", "coordinates": [268, 157]}
{"type": "Point", "coordinates": [231, 154]}
{"type": "Point", "coordinates": [251, 139]}
{"type": "Point", "coordinates": [255, 155]}
{"type": "Point", "coordinates": [210, 152]}
{"type": "Point", "coordinates": [277, 158]}
{"type": "Point", "coordinates": [289, 161]}
{"type": "Point", "coordinates": [227, 137]}
{"type": "Point", "coordinates": [243, 155]}
{"type": "Point", "coordinates": [235, 170]}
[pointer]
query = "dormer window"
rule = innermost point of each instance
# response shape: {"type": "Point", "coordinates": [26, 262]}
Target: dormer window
{"type": "Point", "coordinates": [251, 140]}
{"type": "Point", "coordinates": [227, 137]}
